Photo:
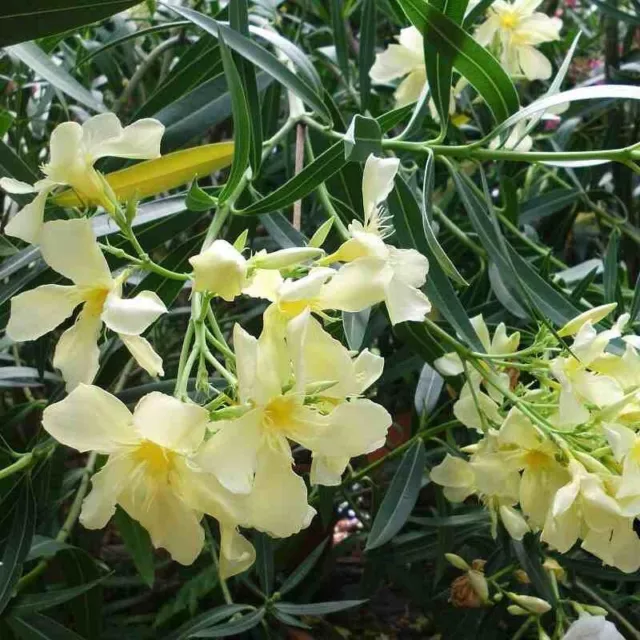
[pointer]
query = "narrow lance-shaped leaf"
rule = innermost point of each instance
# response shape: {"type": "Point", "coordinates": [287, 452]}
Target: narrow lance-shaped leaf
{"type": "Point", "coordinates": [232, 628]}
{"type": "Point", "coordinates": [241, 122]}
{"type": "Point", "coordinates": [340, 37]}
{"type": "Point", "coordinates": [239, 20]}
{"type": "Point", "coordinates": [367, 53]}
{"type": "Point", "coordinates": [303, 569]}
{"type": "Point", "coordinates": [138, 544]}
{"type": "Point", "coordinates": [440, 67]}
{"type": "Point", "coordinates": [259, 56]}
{"type": "Point", "coordinates": [400, 498]}
{"type": "Point", "coordinates": [611, 284]}
{"type": "Point", "coordinates": [35, 58]}
{"type": "Point", "coordinates": [317, 608]}
{"type": "Point", "coordinates": [427, 222]}
{"type": "Point", "coordinates": [471, 59]}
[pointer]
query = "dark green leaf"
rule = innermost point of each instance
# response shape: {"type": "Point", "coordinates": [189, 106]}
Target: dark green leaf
{"type": "Point", "coordinates": [530, 557]}
{"type": "Point", "coordinates": [41, 601]}
{"type": "Point", "coordinates": [340, 38]}
{"type": "Point", "coordinates": [239, 20]}
{"type": "Point", "coordinates": [363, 138]}
{"type": "Point", "coordinates": [42, 547]}
{"type": "Point", "coordinates": [635, 303]}
{"type": "Point", "coordinates": [258, 56]}
{"type": "Point", "coordinates": [546, 204]}
{"type": "Point", "coordinates": [303, 569]}
{"type": "Point", "coordinates": [355, 327]}
{"type": "Point", "coordinates": [400, 498]}
{"type": "Point", "coordinates": [35, 58]}
{"type": "Point", "coordinates": [264, 561]}
{"type": "Point", "coordinates": [241, 122]}
{"type": "Point", "coordinates": [367, 53]}
{"type": "Point", "coordinates": [232, 628]}
{"type": "Point", "coordinates": [282, 231]}
{"type": "Point", "coordinates": [205, 620]}
{"type": "Point", "coordinates": [138, 544]}
{"type": "Point", "coordinates": [289, 620]}
{"type": "Point", "coordinates": [317, 608]}
{"type": "Point", "coordinates": [39, 627]}
{"type": "Point", "coordinates": [20, 21]}
{"type": "Point", "coordinates": [18, 542]}
{"type": "Point", "coordinates": [427, 222]}
{"type": "Point", "coordinates": [611, 268]}
{"type": "Point", "coordinates": [198, 199]}
{"type": "Point", "coordinates": [471, 59]}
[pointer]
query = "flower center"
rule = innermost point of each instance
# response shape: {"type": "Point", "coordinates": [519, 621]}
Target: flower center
{"type": "Point", "coordinates": [536, 460]}
{"type": "Point", "coordinates": [634, 453]}
{"type": "Point", "coordinates": [158, 461]}
{"type": "Point", "coordinates": [508, 20]}
{"type": "Point", "coordinates": [95, 299]}
{"type": "Point", "coordinates": [278, 414]}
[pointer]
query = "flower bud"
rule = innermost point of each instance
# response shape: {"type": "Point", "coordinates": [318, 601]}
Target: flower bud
{"type": "Point", "coordinates": [285, 257]}
{"type": "Point", "coordinates": [457, 561]}
{"type": "Point", "coordinates": [530, 603]}
{"type": "Point", "coordinates": [594, 610]}
{"type": "Point", "coordinates": [521, 576]}
{"type": "Point", "coordinates": [513, 522]}
{"type": "Point", "coordinates": [552, 566]}
{"type": "Point", "coordinates": [221, 269]}
{"type": "Point", "coordinates": [479, 584]}
{"type": "Point", "coordinates": [515, 610]}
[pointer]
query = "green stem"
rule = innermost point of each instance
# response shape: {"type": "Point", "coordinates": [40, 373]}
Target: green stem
{"type": "Point", "coordinates": [144, 261]}
{"type": "Point", "coordinates": [224, 587]}
{"type": "Point", "coordinates": [27, 460]}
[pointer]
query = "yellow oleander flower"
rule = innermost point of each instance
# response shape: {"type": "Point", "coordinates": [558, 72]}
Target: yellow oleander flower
{"type": "Point", "coordinates": [74, 149]}
{"type": "Point", "coordinates": [302, 389]}
{"type": "Point", "coordinates": [70, 248]}
{"type": "Point", "coordinates": [625, 444]}
{"type": "Point", "coordinates": [403, 59]}
{"type": "Point", "coordinates": [516, 29]}
{"type": "Point", "coordinates": [222, 270]}
{"type": "Point", "coordinates": [376, 271]}
{"type": "Point", "coordinates": [150, 471]}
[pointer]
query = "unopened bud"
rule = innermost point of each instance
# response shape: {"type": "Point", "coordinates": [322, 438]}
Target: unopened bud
{"type": "Point", "coordinates": [542, 634]}
{"type": "Point", "coordinates": [521, 576]}
{"type": "Point", "coordinates": [131, 209]}
{"type": "Point", "coordinates": [457, 561]}
{"type": "Point", "coordinates": [530, 603]}
{"type": "Point", "coordinates": [479, 584]}
{"type": "Point", "coordinates": [552, 566]}
{"type": "Point", "coordinates": [202, 378]}
{"type": "Point", "coordinates": [285, 257]}
{"type": "Point", "coordinates": [515, 610]}
{"type": "Point", "coordinates": [221, 269]}
{"type": "Point", "coordinates": [594, 610]}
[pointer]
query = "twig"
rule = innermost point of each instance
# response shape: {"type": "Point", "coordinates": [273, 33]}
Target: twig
{"type": "Point", "coordinates": [299, 163]}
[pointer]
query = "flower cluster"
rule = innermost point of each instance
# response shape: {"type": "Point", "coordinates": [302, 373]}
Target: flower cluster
{"type": "Point", "coordinates": [171, 460]}
{"type": "Point", "coordinates": [558, 436]}
{"type": "Point", "coordinates": [512, 30]}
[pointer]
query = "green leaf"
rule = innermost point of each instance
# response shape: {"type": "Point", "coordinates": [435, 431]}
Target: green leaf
{"type": "Point", "coordinates": [340, 38]}
{"type": "Point", "coordinates": [289, 620]}
{"type": "Point", "coordinates": [35, 58]}
{"type": "Point", "coordinates": [318, 238]}
{"type": "Point", "coordinates": [232, 628]}
{"type": "Point", "coordinates": [264, 561]}
{"type": "Point", "coordinates": [258, 56]}
{"type": "Point", "coordinates": [427, 222]}
{"type": "Point", "coordinates": [239, 21]}
{"type": "Point", "coordinates": [21, 21]}
{"type": "Point", "coordinates": [440, 67]}
{"type": "Point", "coordinates": [367, 53]}
{"type": "Point", "coordinates": [282, 231]}
{"type": "Point", "coordinates": [303, 569]}
{"type": "Point", "coordinates": [198, 199]}
{"type": "Point", "coordinates": [41, 601]}
{"type": "Point", "coordinates": [407, 221]}
{"type": "Point", "coordinates": [138, 544]}
{"type": "Point", "coordinates": [43, 547]}
{"type": "Point", "coordinates": [39, 627]}
{"type": "Point", "coordinates": [471, 59]}
{"type": "Point", "coordinates": [530, 557]}
{"type": "Point", "coordinates": [363, 137]}
{"type": "Point", "coordinates": [355, 327]}
{"type": "Point", "coordinates": [205, 620]}
{"type": "Point", "coordinates": [17, 543]}
{"type": "Point", "coordinates": [400, 498]}
{"type": "Point", "coordinates": [313, 174]}
{"type": "Point", "coordinates": [610, 279]}
{"type": "Point", "coordinates": [635, 303]}
{"type": "Point", "coordinates": [241, 122]}
{"type": "Point", "coordinates": [547, 204]}
{"type": "Point", "coordinates": [317, 608]}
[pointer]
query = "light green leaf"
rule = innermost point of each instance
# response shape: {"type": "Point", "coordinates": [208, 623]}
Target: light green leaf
{"type": "Point", "coordinates": [317, 608]}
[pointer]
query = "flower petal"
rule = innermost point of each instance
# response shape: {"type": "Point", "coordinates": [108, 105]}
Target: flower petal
{"type": "Point", "coordinates": [77, 352]}
{"type": "Point", "coordinates": [106, 487]}
{"type": "Point", "coordinates": [132, 316]}
{"type": "Point", "coordinates": [236, 552]}
{"type": "Point", "coordinates": [90, 419]}
{"type": "Point", "coordinates": [409, 265]}
{"type": "Point", "coordinates": [221, 269]}
{"type": "Point", "coordinates": [36, 312]}
{"type": "Point", "coordinates": [394, 62]}
{"type": "Point", "coordinates": [144, 354]}
{"type": "Point", "coordinates": [534, 64]}
{"type": "Point", "coordinates": [65, 152]}
{"type": "Point", "coordinates": [377, 182]}
{"type": "Point", "coordinates": [231, 453]}
{"type": "Point", "coordinates": [27, 223]}
{"type": "Point", "coordinates": [70, 248]}
{"type": "Point", "coordinates": [169, 422]}
{"type": "Point", "coordinates": [405, 303]}
{"type": "Point", "coordinates": [278, 503]}
{"type": "Point", "coordinates": [328, 470]}
{"type": "Point", "coordinates": [139, 141]}
{"type": "Point", "coordinates": [593, 315]}
{"type": "Point", "coordinates": [10, 185]}
{"type": "Point", "coordinates": [411, 88]}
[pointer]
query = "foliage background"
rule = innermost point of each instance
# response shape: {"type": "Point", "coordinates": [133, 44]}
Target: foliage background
{"type": "Point", "coordinates": [577, 230]}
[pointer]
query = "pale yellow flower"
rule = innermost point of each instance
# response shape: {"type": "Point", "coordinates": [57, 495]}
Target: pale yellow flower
{"type": "Point", "coordinates": [73, 151]}
{"type": "Point", "coordinates": [516, 29]}
{"type": "Point", "coordinates": [303, 389]}
{"type": "Point", "coordinates": [150, 471]}
{"type": "Point", "coordinates": [70, 248]}
{"type": "Point", "coordinates": [377, 271]}
{"type": "Point", "coordinates": [222, 270]}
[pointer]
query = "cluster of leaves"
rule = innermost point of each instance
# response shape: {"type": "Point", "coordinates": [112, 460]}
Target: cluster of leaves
{"type": "Point", "coordinates": [529, 243]}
